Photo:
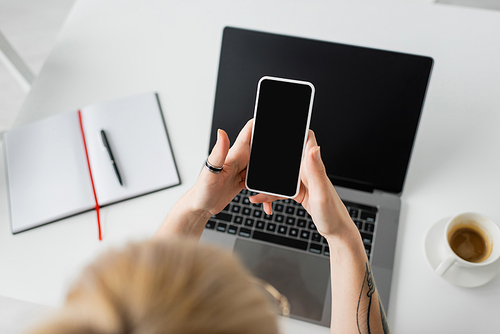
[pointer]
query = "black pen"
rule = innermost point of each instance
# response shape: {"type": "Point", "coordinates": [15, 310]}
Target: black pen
{"type": "Point", "coordinates": [106, 146]}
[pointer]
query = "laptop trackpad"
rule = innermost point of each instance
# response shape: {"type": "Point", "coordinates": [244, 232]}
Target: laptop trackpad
{"type": "Point", "coordinates": [301, 277]}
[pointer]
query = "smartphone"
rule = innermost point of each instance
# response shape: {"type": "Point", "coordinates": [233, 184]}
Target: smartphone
{"type": "Point", "coordinates": [281, 124]}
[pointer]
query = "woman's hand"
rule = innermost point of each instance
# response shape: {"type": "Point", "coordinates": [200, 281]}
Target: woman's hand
{"type": "Point", "coordinates": [317, 194]}
{"type": "Point", "coordinates": [212, 192]}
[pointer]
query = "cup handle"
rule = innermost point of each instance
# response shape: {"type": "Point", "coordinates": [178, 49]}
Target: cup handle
{"type": "Point", "coordinates": [445, 265]}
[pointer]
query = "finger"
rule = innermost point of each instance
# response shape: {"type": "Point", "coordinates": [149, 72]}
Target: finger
{"type": "Point", "coordinates": [315, 164]}
{"type": "Point", "coordinates": [261, 198]}
{"type": "Point", "coordinates": [220, 150]}
{"type": "Point", "coordinates": [240, 152]}
{"type": "Point", "coordinates": [311, 140]}
{"type": "Point", "coordinates": [245, 135]}
{"type": "Point", "coordinates": [317, 177]}
{"type": "Point", "coordinates": [243, 175]}
{"type": "Point", "coordinates": [268, 207]}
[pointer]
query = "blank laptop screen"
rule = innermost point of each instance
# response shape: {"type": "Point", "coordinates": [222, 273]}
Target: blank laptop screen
{"type": "Point", "coordinates": [367, 104]}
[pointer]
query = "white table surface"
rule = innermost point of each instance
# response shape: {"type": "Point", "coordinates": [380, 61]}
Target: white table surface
{"type": "Point", "coordinates": [116, 48]}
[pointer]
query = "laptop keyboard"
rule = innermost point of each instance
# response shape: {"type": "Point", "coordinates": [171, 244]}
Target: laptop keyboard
{"type": "Point", "coordinates": [290, 225]}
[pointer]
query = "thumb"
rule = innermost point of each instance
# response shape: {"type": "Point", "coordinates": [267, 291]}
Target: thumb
{"type": "Point", "coordinates": [317, 177]}
{"type": "Point", "coordinates": [315, 165]}
{"type": "Point", "coordinates": [219, 152]}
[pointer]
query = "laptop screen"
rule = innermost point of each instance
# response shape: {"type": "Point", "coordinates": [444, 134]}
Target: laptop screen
{"type": "Point", "coordinates": [366, 109]}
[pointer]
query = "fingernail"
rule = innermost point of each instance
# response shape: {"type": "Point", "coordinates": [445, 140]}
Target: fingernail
{"type": "Point", "coordinates": [218, 134]}
{"type": "Point", "coordinates": [316, 154]}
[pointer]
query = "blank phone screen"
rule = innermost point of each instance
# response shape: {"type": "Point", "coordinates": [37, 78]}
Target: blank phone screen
{"type": "Point", "coordinates": [280, 129]}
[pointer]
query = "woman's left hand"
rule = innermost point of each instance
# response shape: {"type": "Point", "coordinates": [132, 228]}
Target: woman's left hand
{"type": "Point", "coordinates": [213, 192]}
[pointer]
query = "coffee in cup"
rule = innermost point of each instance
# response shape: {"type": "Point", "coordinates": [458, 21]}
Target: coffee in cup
{"type": "Point", "coordinates": [471, 240]}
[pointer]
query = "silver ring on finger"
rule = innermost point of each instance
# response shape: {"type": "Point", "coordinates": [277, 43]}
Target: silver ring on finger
{"type": "Point", "coordinates": [213, 169]}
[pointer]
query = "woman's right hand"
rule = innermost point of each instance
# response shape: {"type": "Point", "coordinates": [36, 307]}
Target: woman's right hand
{"type": "Point", "coordinates": [353, 288]}
{"type": "Point", "coordinates": [317, 194]}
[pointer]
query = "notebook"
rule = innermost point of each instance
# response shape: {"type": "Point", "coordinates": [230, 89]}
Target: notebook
{"type": "Point", "coordinates": [365, 117]}
{"type": "Point", "coordinates": [48, 173]}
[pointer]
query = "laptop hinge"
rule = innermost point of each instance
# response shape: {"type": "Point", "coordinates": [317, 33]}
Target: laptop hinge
{"type": "Point", "coordinates": [385, 193]}
{"type": "Point", "coordinates": [351, 184]}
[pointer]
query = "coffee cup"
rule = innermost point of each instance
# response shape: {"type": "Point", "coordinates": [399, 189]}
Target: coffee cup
{"type": "Point", "coordinates": [472, 240]}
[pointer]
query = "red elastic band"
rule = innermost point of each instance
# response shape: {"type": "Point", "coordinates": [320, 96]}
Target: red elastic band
{"type": "Point", "coordinates": [90, 173]}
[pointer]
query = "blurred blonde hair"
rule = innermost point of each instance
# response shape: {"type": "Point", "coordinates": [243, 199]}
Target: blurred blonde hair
{"type": "Point", "coordinates": [172, 286]}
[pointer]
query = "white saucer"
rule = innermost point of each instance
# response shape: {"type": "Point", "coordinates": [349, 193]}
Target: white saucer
{"type": "Point", "coordinates": [465, 277]}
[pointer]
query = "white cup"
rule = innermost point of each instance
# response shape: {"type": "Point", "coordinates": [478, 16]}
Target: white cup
{"type": "Point", "coordinates": [486, 228]}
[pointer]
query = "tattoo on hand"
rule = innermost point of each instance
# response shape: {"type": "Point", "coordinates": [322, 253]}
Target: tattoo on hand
{"type": "Point", "coordinates": [365, 303]}
{"type": "Point", "coordinates": [369, 282]}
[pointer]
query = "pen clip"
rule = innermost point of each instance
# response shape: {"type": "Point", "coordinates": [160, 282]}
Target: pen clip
{"type": "Point", "coordinates": [101, 140]}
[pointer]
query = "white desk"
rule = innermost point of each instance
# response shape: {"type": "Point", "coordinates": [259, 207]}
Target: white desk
{"type": "Point", "coordinates": [115, 48]}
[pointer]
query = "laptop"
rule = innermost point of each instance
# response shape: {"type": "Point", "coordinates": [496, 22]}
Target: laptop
{"type": "Point", "coordinates": [365, 116]}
